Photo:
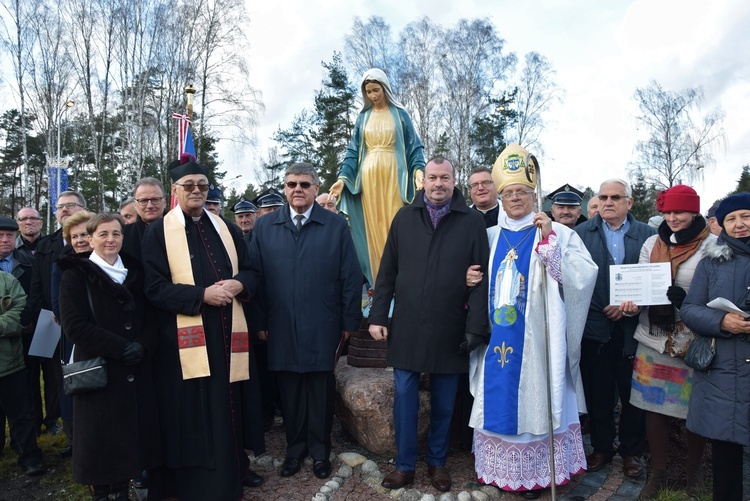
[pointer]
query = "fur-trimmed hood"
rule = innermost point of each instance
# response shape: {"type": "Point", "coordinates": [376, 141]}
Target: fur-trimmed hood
{"type": "Point", "coordinates": [725, 249]}
{"type": "Point", "coordinates": [100, 280]}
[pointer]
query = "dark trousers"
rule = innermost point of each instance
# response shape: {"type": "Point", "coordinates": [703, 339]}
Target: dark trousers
{"type": "Point", "coordinates": [51, 370]}
{"type": "Point", "coordinates": [726, 464]}
{"type": "Point", "coordinates": [16, 404]}
{"type": "Point", "coordinates": [609, 372]}
{"type": "Point", "coordinates": [307, 400]}
{"type": "Point", "coordinates": [406, 413]}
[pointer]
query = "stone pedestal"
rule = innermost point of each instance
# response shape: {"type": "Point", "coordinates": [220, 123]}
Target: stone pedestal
{"type": "Point", "coordinates": [364, 405]}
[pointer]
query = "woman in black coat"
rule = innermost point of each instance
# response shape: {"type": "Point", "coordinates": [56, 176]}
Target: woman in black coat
{"type": "Point", "coordinates": [104, 312]}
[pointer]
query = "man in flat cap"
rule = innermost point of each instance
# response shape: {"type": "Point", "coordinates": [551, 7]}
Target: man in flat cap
{"type": "Point", "coordinates": [713, 223]}
{"type": "Point", "coordinates": [268, 201]}
{"type": "Point", "coordinates": [197, 271]}
{"type": "Point", "coordinates": [566, 209]}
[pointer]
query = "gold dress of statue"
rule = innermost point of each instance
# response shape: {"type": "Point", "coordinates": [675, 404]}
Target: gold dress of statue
{"type": "Point", "coordinates": [381, 172]}
{"type": "Point", "coordinates": [378, 171]}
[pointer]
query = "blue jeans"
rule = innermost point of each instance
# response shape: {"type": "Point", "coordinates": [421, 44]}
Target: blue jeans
{"type": "Point", "coordinates": [406, 411]}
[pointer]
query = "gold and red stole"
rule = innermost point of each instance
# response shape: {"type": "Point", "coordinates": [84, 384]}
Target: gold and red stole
{"type": "Point", "coordinates": [191, 336]}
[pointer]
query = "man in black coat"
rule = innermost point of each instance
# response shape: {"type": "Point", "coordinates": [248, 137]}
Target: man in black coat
{"type": "Point", "coordinates": [437, 320]}
{"type": "Point", "coordinates": [47, 252]}
{"type": "Point", "coordinates": [197, 269]}
{"type": "Point", "coordinates": [149, 205]}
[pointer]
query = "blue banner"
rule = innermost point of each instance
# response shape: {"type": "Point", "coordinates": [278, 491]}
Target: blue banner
{"type": "Point", "coordinates": [58, 178]}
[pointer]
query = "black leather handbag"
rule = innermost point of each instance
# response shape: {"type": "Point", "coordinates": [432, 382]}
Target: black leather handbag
{"type": "Point", "coordinates": [86, 375]}
{"type": "Point", "coordinates": [700, 354]}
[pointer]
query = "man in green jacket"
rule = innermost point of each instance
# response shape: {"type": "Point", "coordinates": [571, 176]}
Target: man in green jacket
{"type": "Point", "coordinates": [15, 398]}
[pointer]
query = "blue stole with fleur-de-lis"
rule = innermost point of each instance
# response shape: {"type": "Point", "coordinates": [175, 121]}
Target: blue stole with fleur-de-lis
{"type": "Point", "coordinates": [508, 296]}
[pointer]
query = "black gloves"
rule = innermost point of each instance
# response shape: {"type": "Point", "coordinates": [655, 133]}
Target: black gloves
{"type": "Point", "coordinates": [471, 342]}
{"type": "Point", "coordinates": [133, 353]}
{"type": "Point", "coordinates": [676, 295]}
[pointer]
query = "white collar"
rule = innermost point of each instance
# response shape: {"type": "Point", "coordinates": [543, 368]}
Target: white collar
{"type": "Point", "coordinates": [116, 272]}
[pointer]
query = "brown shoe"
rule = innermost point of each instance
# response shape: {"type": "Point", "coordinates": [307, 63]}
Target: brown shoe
{"type": "Point", "coordinates": [632, 466]}
{"type": "Point", "coordinates": [441, 479]}
{"type": "Point", "coordinates": [397, 479]}
{"type": "Point", "coordinates": [598, 460]}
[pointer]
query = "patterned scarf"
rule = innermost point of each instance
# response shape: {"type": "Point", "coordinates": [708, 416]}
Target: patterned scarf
{"type": "Point", "coordinates": [437, 211]}
{"type": "Point", "coordinates": [674, 248]}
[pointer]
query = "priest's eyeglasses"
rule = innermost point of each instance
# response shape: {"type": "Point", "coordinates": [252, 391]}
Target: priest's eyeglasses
{"type": "Point", "coordinates": [143, 202]}
{"type": "Point", "coordinates": [189, 187]}
{"type": "Point", "coordinates": [511, 195]}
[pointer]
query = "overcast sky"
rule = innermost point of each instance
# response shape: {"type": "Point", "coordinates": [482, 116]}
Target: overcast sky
{"type": "Point", "coordinates": [602, 51]}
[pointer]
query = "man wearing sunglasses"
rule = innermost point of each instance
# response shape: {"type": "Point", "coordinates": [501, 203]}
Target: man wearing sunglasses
{"type": "Point", "coordinates": [612, 236]}
{"type": "Point", "coordinates": [310, 302]}
{"type": "Point", "coordinates": [197, 272]}
{"type": "Point", "coordinates": [47, 251]}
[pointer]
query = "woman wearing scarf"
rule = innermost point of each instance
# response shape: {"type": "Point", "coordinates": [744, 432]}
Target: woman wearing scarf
{"type": "Point", "coordinates": [104, 312]}
{"type": "Point", "coordinates": [508, 378]}
{"type": "Point", "coordinates": [661, 380]}
{"type": "Point", "coordinates": [382, 170]}
{"type": "Point", "coordinates": [720, 401]}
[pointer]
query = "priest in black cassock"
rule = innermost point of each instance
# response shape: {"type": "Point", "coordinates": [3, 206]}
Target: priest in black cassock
{"type": "Point", "coordinates": [196, 275]}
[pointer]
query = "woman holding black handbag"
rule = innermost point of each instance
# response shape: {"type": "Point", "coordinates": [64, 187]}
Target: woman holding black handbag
{"type": "Point", "coordinates": [720, 399]}
{"type": "Point", "coordinates": [104, 312]}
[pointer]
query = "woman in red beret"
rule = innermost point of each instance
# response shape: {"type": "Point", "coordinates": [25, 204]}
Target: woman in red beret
{"type": "Point", "coordinates": [661, 380]}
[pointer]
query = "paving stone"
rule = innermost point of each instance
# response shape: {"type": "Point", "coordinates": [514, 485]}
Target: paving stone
{"type": "Point", "coordinates": [581, 490]}
{"type": "Point", "coordinates": [491, 491]}
{"type": "Point", "coordinates": [277, 463]}
{"type": "Point", "coordinates": [352, 459]}
{"type": "Point", "coordinates": [427, 497]}
{"type": "Point", "coordinates": [333, 484]}
{"type": "Point", "coordinates": [411, 495]}
{"type": "Point", "coordinates": [326, 490]}
{"type": "Point", "coordinates": [397, 493]}
{"type": "Point", "coordinates": [265, 461]}
{"type": "Point", "coordinates": [319, 497]}
{"type": "Point", "coordinates": [370, 466]}
{"type": "Point", "coordinates": [448, 496]}
{"type": "Point", "coordinates": [630, 489]}
{"type": "Point", "coordinates": [597, 478]}
{"type": "Point", "coordinates": [344, 471]}
{"type": "Point", "coordinates": [479, 496]}
{"type": "Point", "coordinates": [464, 496]}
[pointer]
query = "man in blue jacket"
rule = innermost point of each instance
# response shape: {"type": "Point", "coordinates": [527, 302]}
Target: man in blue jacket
{"type": "Point", "coordinates": [612, 237]}
{"type": "Point", "coordinates": [308, 302]}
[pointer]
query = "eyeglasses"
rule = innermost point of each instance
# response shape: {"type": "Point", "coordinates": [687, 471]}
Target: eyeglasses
{"type": "Point", "coordinates": [29, 218]}
{"type": "Point", "coordinates": [614, 198]}
{"type": "Point", "coordinates": [293, 184]}
{"type": "Point", "coordinates": [143, 202]}
{"type": "Point", "coordinates": [515, 194]}
{"type": "Point", "coordinates": [69, 205]}
{"type": "Point", "coordinates": [191, 186]}
{"type": "Point", "coordinates": [485, 184]}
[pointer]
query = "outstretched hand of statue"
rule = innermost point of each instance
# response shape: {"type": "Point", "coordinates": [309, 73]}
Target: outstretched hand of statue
{"type": "Point", "coordinates": [335, 190]}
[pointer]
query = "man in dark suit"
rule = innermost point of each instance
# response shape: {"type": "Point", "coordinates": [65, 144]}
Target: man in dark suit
{"type": "Point", "coordinates": [149, 204]}
{"type": "Point", "coordinates": [47, 252]}
{"type": "Point", "coordinates": [310, 301]}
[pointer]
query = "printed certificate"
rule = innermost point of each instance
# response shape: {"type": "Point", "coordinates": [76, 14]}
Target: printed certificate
{"type": "Point", "coordinates": [644, 284]}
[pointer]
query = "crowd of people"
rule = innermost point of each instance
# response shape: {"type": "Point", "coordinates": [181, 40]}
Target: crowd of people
{"type": "Point", "coordinates": [208, 327]}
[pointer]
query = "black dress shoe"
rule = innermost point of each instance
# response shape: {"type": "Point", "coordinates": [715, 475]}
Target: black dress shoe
{"type": "Point", "coordinates": [531, 494]}
{"type": "Point", "coordinates": [252, 479]}
{"type": "Point", "coordinates": [290, 467]}
{"type": "Point", "coordinates": [322, 469]}
{"type": "Point", "coordinates": [34, 467]}
{"type": "Point", "coordinates": [65, 452]}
